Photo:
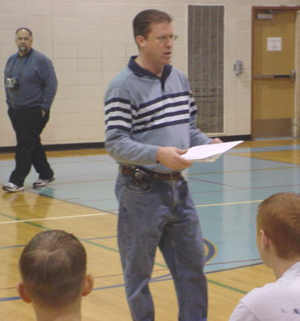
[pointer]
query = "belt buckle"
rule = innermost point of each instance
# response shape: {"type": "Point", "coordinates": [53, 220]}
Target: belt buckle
{"type": "Point", "coordinates": [141, 178]}
{"type": "Point", "coordinates": [138, 174]}
{"type": "Point", "coordinates": [175, 176]}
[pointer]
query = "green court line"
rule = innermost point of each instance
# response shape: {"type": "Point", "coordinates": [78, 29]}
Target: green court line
{"type": "Point", "coordinates": [116, 251]}
{"type": "Point", "coordinates": [225, 286]}
{"type": "Point", "coordinates": [29, 223]}
{"type": "Point", "coordinates": [46, 228]}
{"type": "Point", "coordinates": [280, 168]}
{"type": "Point", "coordinates": [86, 241]}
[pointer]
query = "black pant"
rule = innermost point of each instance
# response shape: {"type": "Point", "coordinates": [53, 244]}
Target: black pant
{"type": "Point", "coordinates": [28, 125]}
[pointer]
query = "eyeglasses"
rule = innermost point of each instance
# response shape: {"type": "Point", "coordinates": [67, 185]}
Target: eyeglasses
{"type": "Point", "coordinates": [22, 38]}
{"type": "Point", "coordinates": [164, 39]}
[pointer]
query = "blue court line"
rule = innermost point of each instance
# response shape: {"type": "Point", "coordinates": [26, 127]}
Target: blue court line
{"type": "Point", "coordinates": [162, 278]}
{"type": "Point", "coordinates": [279, 167]}
{"type": "Point", "coordinates": [236, 267]}
{"type": "Point", "coordinates": [210, 246]}
{"type": "Point", "coordinates": [12, 298]}
{"type": "Point", "coordinates": [90, 241]}
{"type": "Point", "coordinates": [256, 261]}
{"type": "Point", "coordinates": [10, 246]}
{"type": "Point", "coordinates": [82, 239]}
{"type": "Point", "coordinates": [265, 149]}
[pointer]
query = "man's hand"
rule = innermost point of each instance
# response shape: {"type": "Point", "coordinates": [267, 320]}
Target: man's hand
{"type": "Point", "coordinates": [43, 111]}
{"type": "Point", "coordinates": [170, 157]}
{"type": "Point", "coordinates": [216, 141]}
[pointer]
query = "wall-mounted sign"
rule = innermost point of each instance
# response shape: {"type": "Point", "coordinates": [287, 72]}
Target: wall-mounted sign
{"type": "Point", "coordinates": [274, 44]}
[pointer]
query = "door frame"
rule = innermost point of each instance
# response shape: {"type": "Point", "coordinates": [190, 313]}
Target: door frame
{"type": "Point", "coordinates": [255, 9]}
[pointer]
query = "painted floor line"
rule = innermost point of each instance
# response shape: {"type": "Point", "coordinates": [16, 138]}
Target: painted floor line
{"type": "Point", "coordinates": [162, 278]}
{"type": "Point", "coordinates": [229, 203]}
{"type": "Point", "coordinates": [53, 218]}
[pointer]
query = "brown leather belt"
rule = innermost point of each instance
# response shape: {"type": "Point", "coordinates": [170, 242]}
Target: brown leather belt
{"type": "Point", "coordinates": [136, 172]}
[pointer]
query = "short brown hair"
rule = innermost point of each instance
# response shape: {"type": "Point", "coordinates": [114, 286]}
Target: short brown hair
{"type": "Point", "coordinates": [279, 217]}
{"type": "Point", "coordinates": [53, 267]}
{"type": "Point", "coordinates": [143, 20]}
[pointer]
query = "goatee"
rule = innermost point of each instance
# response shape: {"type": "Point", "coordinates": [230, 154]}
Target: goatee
{"type": "Point", "coordinates": [22, 49]}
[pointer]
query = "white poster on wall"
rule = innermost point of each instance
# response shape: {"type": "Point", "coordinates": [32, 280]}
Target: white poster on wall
{"type": "Point", "coordinates": [274, 44]}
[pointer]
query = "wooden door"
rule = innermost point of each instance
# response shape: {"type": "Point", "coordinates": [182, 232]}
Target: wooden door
{"type": "Point", "coordinates": [273, 73]}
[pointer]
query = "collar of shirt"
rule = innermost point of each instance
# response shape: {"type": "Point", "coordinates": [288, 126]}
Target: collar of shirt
{"type": "Point", "coordinates": [141, 72]}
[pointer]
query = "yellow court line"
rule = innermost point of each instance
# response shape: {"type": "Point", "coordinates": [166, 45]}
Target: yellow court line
{"type": "Point", "coordinates": [229, 203]}
{"type": "Point", "coordinates": [53, 218]}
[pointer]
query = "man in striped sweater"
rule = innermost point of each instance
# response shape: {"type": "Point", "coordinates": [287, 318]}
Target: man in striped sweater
{"type": "Point", "coordinates": [150, 123]}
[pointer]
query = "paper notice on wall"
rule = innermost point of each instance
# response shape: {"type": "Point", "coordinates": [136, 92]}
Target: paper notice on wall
{"type": "Point", "coordinates": [274, 44]}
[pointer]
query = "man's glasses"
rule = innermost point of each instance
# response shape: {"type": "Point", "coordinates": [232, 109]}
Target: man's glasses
{"type": "Point", "coordinates": [23, 38]}
{"type": "Point", "coordinates": [164, 39]}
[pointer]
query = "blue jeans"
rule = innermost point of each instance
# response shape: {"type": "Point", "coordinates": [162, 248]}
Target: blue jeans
{"type": "Point", "coordinates": [161, 213]}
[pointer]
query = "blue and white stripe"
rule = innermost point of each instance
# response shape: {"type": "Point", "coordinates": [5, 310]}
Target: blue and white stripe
{"type": "Point", "coordinates": [165, 111]}
{"type": "Point", "coordinates": [118, 114]}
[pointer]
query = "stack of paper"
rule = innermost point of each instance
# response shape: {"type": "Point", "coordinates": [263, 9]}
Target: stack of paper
{"type": "Point", "coordinates": [209, 152]}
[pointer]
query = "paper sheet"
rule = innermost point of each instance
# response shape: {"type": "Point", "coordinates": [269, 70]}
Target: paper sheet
{"type": "Point", "coordinates": [209, 152]}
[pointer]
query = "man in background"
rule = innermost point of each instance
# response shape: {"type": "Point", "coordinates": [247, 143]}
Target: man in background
{"type": "Point", "coordinates": [30, 86]}
{"type": "Point", "coordinates": [278, 241]}
{"type": "Point", "coordinates": [53, 271]}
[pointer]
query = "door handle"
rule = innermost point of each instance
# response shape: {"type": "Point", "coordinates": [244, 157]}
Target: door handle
{"type": "Point", "coordinates": [282, 76]}
{"type": "Point", "coordinates": [291, 75]}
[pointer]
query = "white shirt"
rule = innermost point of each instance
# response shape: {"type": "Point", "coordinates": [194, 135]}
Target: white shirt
{"type": "Point", "coordinates": [277, 301]}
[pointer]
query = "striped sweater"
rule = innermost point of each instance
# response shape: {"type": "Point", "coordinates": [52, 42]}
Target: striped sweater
{"type": "Point", "coordinates": [143, 112]}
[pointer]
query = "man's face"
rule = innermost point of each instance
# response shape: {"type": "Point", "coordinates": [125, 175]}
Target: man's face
{"type": "Point", "coordinates": [157, 46]}
{"type": "Point", "coordinates": [23, 41]}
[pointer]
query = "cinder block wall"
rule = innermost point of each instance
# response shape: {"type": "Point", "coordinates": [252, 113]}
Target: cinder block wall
{"type": "Point", "coordinates": [90, 41]}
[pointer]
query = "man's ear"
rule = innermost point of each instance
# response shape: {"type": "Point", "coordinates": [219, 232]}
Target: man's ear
{"type": "Point", "coordinates": [264, 239]}
{"type": "Point", "coordinates": [141, 41]}
{"type": "Point", "coordinates": [23, 293]}
{"type": "Point", "coordinates": [88, 285]}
